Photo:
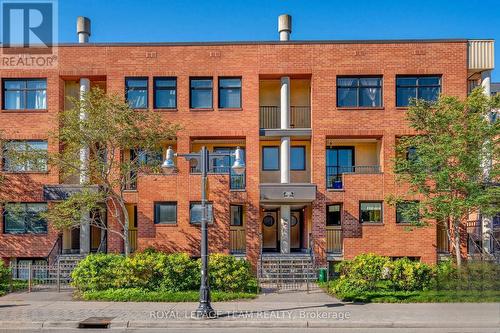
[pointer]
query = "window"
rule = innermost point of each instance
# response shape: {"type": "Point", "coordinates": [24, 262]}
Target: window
{"type": "Point", "coordinates": [370, 212]}
{"type": "Point", "coordinates": [24, 218]}
{"type": "Point", "coordinates": [201, 93]}
{"type": "Point", "coordinates": [230, 93]}
{"type": "Point", "coordinates": [359, 92]}
{"type": "Point", "coordinates": [136, 92]}
{"type": "Point", "coordinates": [25, 156]}
{"type": "Point", "coordinates": [270, 158]}
{"type": "Point", "coordinates": [420, 87]}
{"type": "Point", "coordinates": [236, 215]}
{"type": "Point", "coordinates": [407, 212]}
{"type": "Point", "coordinates": [165, 212]}
{"type": "Point", "coordinates": [195, 213]}
{"type": "Point", "coordinates": [165, 92]}
{"type": "Point", "coordinates": [26, 94]}
{"type": "Point", "coordinates": [339, 160]}
{"type": "Point", "coordinates": [333, 215]}
{"type": "Point", "coordinates": [223, 165]}
{"type": "Point", "coordinates": [298, 158]}
{"type": "Point", "coordinates": [411, 154]}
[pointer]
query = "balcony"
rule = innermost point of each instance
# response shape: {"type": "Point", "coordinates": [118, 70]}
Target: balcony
{"type": "Point", "coordinates": [236, 182]}
{"type": "Point", "coordinates": [300, 117]}
{"type": "Point", "coordinates": [334, 240]}
{"type": "Point", "coordinates": [335, 174]}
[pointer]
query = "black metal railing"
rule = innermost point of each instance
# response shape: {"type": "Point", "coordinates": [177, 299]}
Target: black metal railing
{"type": "Point", "coordinates": [300, 117]}
{"type": "Point", "coordinates": [236, 182]}
{"type": "Point", "coordinates": [334, 173]}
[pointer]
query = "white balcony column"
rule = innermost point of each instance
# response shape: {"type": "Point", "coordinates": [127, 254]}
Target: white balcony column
{"type": "Point", "coordinates": [285, 163]}
{"type": "Point", "coordinates": [486, 221]}
{"type": "Point", "coordinates": [84, 176]}
{"type": "Point", "coordinates": [486, 82]}
{"type": "Point", "coordinates": [285, 216]}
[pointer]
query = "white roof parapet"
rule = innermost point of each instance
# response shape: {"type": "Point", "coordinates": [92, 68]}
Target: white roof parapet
{"type": "Point", "coordinates": [481, 54]}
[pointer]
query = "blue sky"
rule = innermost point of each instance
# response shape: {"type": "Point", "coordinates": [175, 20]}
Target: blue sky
{"type": "Point", "coordinates": [233, 20]}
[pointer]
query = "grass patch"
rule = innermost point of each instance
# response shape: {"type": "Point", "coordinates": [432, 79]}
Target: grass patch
{"type": "Point", "coordinates": [139, 295]}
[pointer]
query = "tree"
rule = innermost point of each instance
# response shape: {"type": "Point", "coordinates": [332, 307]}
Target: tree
{"type": "Point", "coordinates": [444, 164]}
{"type": "Point", "coordinates": [107, 128]}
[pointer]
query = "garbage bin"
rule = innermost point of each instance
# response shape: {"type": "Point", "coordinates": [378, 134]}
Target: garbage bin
{"type": "Point", "coordinates": [322, 275]}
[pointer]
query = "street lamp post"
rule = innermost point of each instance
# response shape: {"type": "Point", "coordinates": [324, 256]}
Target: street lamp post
{"type": "Point", "coordinates": [203, 158]}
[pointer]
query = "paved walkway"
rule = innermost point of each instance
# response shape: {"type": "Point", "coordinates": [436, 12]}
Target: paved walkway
{"type": "Point", "coordinates": [294, 310]}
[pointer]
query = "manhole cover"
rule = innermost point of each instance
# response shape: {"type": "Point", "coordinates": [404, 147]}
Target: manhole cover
{"type": "Point", "coordinates": [95, 322]}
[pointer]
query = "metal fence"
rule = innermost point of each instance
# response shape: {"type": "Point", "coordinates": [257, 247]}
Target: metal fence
{"type": "Point", "coordinates": [42, 276]}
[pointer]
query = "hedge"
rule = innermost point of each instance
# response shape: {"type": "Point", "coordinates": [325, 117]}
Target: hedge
{"type": "Point", "coordinates": [152, 271]}
{"type": "Point", "coordinates": [374, 277]}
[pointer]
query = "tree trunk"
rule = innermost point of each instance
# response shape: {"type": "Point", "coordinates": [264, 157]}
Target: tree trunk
{"type": "Point", "coordinates": [126, 222]}
{"type": "Point", "coordinates": [456, 236]}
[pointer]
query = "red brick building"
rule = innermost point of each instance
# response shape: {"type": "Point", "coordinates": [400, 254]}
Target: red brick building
{"type": "Point", "coordinates": [333, 109]}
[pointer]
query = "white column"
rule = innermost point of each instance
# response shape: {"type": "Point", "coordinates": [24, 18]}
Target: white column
{"type": "Point", "coordinates": [285, 163]}
{"type": "Point", "coordinates": [486, 82]}
{"type": "Point", "coordinates": [486, 221]}
{"type": "Point", "coordinates": [84, 177]}
{"type": "Point", "coordinates": [285, 229]}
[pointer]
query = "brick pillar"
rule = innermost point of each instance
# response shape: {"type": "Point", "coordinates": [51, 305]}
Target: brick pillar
{"type": "Point", "coordinates": [318, 151]}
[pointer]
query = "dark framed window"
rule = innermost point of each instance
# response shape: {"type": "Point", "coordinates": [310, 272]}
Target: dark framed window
{"type": "Point", "coordinates": [195, 213]}
{"type": "Point", "coordinates": [165, 93]}
{"type": "Point", "coordinates": [237, 182]}
{"type": "Point", "coordinates": [136, 92]}
{"type": "Point", "coordinates": [420, 87]}
{"type": "Point", "coordinates": [24, 218]}
{"type": "Point", "coordinates": [270, 158]}
{"type": "Point", "coordinates": [165, 213]}
{"type": "Point", "coordinates": [333, 215]}
{"type": "Point", "coordinates": [236, 215]}
{"type": "Point", "coordinates": [25, 156]}
{"type": "Point", "coordinates": [407, 212]}
{"type": "Point", "coordinates": [339, 160]}
{"type": "Point", "coordinates": [24, 94]}
{"type": "Point", "coordinates": [411, 154]}
{"type": "Point", "coordinates": [298, 158]}
{"type": "Point", "coordinates": [201, 93]}
{"type": "Point", "coordinates": [230, 92]}
{"type": "Point", "coordinates": [359, 92]}
{"type": "Point", "coordinates": [370, 212]}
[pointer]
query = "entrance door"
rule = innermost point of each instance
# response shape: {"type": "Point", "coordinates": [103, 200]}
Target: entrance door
{"type": "Point", "coordinates": [270, 231]}
{"type": "Point", "coordinates": [75, 240]}
{"type": "Point", "coordinates": [295, 230]}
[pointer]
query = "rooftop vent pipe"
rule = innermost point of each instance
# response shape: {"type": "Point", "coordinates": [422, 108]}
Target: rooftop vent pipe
{"type": "Point", "coordinates": [83, 29]}
{"type": "Point", "coordinates": [284, 27]}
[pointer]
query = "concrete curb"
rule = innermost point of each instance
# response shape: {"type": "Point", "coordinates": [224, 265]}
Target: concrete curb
{"type": "Point", "coordinates": [250, 324]}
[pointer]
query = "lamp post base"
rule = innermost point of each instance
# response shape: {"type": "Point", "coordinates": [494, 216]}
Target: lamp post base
{"type": "Point", "coordinates": [205, 310]}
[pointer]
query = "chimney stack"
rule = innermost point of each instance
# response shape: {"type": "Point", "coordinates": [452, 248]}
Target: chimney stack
{"type": "Point", "coordinates": [83, 29]}
{"type": "Point", "coordinates": [284, 27]}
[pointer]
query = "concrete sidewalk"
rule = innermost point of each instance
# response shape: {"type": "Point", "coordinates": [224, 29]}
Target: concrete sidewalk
{"type": "Point", "coordinates": [49, 310]}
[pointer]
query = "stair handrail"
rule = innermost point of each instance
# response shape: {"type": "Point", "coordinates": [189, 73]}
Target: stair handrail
{"type": "Point", "coordinates": [261, 249]}
{"type": "Point", "coordinates": [57, 247]}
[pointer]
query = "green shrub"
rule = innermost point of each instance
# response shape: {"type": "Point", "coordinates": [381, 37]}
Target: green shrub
{"type": "Point", "coordinates": [4, 273]}
{"type": "Point", "coordinates": [471, 276]}
{"type": "Point", "coordinates": [227, 273]}
{"type": "Point", "coordinates": [152, 270]}
{"type": "Point", "coordinates": [365, 272]}
{"type": "Point", "coordinates": [98, 272]}
{"type": "Point", "coordinates": [409, 275]}
{"type": "Point", "coordinates": [180, 272]}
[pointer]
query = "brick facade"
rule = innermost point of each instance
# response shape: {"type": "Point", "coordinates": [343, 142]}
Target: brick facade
{"type": "Point", "coordinates": [321, 62]}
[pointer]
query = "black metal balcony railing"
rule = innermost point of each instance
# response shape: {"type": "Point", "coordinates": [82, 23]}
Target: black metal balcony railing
{"type": "Point", "coordinates": [300, 117]}
{"type": "Point", "coordinates": [237, 182]}
{"type": "Point", "coordinates": [334, 173]}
